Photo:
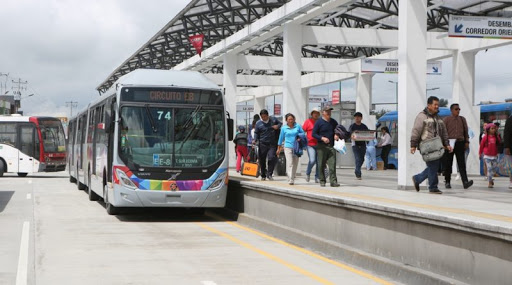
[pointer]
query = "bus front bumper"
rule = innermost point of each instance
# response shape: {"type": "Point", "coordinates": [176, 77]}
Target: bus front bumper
{"type": "Point", "coordinates": [126, 197]}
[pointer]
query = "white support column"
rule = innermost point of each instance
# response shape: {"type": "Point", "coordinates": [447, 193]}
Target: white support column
{"type": "Point", "coordinates": [230, 68]}
{"type": "Point", "coordinates": [364, 98]}
{"type": "Point", "coordinates": [463, 93]}
{"type": "Point", "coordinates": [259, 104]}
{"type": "Point", "coordinates": [294, 100]}
{"type": "Point", "coordinates": [412, 59]}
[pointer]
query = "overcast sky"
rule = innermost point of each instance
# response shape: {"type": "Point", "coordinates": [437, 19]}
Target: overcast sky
{"type": "Point", "coordinates": [66, 48]}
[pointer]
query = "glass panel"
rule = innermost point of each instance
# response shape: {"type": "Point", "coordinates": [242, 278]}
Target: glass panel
{"type": "Point", "coordinates": [167, 137]}
{"type": "Point", "coordinates": [27, 140]}
{"type": "Point", "coordinates": [8, 134]}
{"type": "Point", "coordinates": [53, 136]}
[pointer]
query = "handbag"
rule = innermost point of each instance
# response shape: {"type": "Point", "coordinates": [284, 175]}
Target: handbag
{"type": "Point", "coordinates": [340, 146]}
{"type": "Point", "coordinates": [432, 149]}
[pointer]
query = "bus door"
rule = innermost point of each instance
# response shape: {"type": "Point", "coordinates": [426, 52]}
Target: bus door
{"type": "Point", "coordinates": [29, 149]}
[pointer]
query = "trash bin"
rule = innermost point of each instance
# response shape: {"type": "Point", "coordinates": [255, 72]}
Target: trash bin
{"type": "Point", "coordinates": [280, 168]}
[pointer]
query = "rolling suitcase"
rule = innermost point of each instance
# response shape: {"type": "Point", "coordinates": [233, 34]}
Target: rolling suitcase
{"type": "Point", "coordinates": [250, 169]}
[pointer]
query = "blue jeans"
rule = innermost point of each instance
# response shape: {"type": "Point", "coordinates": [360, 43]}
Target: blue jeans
{"type": "Point", "coordinates": [359, 153]}
{"type": "Point", "coordinates": [431, 173]}
{"type": "Point", "coordinates": [312, 161]}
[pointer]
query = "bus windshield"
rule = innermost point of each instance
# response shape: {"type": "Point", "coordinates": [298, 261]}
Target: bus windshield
{"type": "Point", "coordinates": [171, 137]}
{"type": "Point", "coordinates": [53, 136]}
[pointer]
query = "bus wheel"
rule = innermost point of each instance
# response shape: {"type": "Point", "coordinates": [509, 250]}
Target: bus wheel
{"type": "Point", "coordinates": [21, 174]}
{"type": "Point", "coordinates": [92, 195]}
{"type": "Point", "coordinates": [111, 210]}
{"type": "Point", "coordinates": [2, 168]}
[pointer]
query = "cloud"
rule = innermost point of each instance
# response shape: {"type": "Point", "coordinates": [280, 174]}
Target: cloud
{"type": "Point", "coordinates": [66, 48]}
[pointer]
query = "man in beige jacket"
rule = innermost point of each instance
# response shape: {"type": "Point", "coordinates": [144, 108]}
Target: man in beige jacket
{"type": "Point", "coordinates": [427, 125]}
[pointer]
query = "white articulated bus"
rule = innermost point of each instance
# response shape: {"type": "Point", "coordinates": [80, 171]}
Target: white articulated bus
{"type": "Point", "coordinates": [157, 138]}
{"type": "Point", "coordinates": [31, 144]}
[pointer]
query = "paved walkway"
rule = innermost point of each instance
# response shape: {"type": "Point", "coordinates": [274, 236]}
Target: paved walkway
{"type": "Point", "coordinates": [479, 204]}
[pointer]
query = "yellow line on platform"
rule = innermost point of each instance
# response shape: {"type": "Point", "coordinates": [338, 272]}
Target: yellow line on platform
{"type": "Point", "coordinates": [266, 254]}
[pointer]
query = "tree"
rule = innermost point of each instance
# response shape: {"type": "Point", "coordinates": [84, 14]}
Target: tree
{"type": "Point", "coordinates": [380, 113]}
{"type": "Point", "coordinates": [443, 102]}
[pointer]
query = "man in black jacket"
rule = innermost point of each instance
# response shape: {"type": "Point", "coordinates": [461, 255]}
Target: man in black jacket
{"type": "Point", "coordinates": [507, 143]}
{"type": "Point", "coordinates": [266, 133]}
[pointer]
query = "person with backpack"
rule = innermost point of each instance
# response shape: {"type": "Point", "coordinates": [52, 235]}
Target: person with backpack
{"type": "Point", "coordinates": [266, 133]}
{"type": "Point", "coordinates": [358, 147]}
{"type": "Point", "coordinates": [288, 137]}
{"type": "Point", "coordinates": [323, 132]}
{"type": "Point", "coordinates": [312, 143]}
{"type": "Point", "coordinates": [241, 149]}
{"type": "Point", "coordinates": [489, 151]}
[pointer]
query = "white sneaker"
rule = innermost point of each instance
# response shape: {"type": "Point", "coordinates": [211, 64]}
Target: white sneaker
{"type": "Point", "coordinates": [458, 177]}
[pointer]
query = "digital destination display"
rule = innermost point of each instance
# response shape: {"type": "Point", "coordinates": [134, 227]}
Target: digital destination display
{"type": "Point", "coordinates": [176, 96]}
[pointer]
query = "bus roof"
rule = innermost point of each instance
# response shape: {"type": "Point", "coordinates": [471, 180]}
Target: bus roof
{"type": "Point", "coordinates": [159, 77]}
{"type": "Point", "coordinates": [393, 115]}
{"type": "Point", "coordinates": [17, 118]}
{"type": "Point", "coordinates": [495, 107]}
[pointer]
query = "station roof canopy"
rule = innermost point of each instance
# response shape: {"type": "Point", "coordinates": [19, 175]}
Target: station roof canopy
{"type": "Point", "coordinates": [220, 19]}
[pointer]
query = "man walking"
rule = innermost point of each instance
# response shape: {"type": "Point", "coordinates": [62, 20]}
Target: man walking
{"type": "Point", "coordinates": [358, 147]}
{"type": "Point", "coordinates": [457, 129]}
{"type": "Point", "coordinates": [428, 125]}
{"type": "Point", "coordinates": [266, 133]}
{"type": "Point", "coordinates": [323, 132]}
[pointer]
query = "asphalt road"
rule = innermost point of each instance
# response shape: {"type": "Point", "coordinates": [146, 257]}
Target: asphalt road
{"type": "Point", "coordinates": [52, 234]}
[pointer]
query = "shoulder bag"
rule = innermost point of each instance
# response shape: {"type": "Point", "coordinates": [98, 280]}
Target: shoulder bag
{"type": "Point", "coordinates": [432, 149]}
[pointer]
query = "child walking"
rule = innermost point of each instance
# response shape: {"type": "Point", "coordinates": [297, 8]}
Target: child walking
{"type": "Point", "coordinates": [241, 149]}
{"type": "Point", "coordinates": [489, 149]}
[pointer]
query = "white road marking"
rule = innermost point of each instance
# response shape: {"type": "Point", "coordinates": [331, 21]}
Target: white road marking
{"type": "Point", "coordinates": [21, 277]}
{"type": "Point", "coordinates": [30, 182]}
{"type": "Point", "coordinates": [29, 196]}
{"type": "Point", "coordinates": [208, 283]}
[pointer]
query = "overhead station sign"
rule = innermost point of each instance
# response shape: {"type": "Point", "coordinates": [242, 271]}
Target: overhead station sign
{"type": "Point", "coordinates": [480, 27]}
{"type": "Point", "coordinates": [391, 66]}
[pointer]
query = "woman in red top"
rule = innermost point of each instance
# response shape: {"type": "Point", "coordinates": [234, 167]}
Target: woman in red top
{"type": "Point", "coordinates": [312, 142]}
{"type": "Point", "coordinates": [489, 149]}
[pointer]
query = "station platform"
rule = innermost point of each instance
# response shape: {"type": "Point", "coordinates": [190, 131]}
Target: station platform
{"type": "Point", "coordinates": [462, 236]}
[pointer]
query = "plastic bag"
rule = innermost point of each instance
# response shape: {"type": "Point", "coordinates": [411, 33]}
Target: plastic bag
{"type": "Point", "coordinates": [340, 146]}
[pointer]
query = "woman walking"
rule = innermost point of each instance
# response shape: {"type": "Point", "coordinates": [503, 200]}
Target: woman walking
{"type": "Point", "coordinates": [308, 126]}
{"type": "Point", "coordinates": [288, 135]}
{"type": "Point", "coordinates": [385, 143]}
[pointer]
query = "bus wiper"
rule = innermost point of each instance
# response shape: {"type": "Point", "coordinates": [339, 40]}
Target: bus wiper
{"type": "Point", "coordinates": [151, 120]}
{"type": "Point", "coordinates": [185, 126]}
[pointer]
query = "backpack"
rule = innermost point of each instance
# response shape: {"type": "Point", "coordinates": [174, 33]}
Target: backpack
{"type": "Point", "coordinates": [342, 132]}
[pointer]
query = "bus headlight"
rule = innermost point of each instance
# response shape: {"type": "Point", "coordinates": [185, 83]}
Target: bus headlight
{"type": "Point", "coordinates": [124, 179]}
{"type": "Point", "coordinates": [219, 181]}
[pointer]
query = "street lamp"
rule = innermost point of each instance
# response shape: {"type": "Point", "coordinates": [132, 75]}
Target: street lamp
{"type": "Point", "coordinates": [18, 105]}
{"type": "Point", "coordinates": [396, 92]}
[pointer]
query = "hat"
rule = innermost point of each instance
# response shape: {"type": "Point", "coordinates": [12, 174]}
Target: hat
{"type": "Point", "coordinates": [358, 114]}
{"type": "Point", "coordinates": [241, 128]}
{"type": "Point", "coordinates": [327, 108]}
{"type": "Point", "coordinates": [315, 110]}
{"type": "Point", "coordinates": [490, 125]}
